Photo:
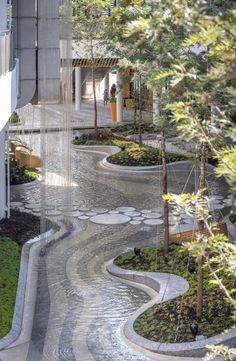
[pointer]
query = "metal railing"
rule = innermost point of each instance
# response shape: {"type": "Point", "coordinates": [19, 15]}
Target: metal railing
{"type": "Point", "coordinates": [6, 56]}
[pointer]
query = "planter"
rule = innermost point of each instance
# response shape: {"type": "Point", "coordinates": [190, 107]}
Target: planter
{"type": "Point", "coordinates": [113, 111]}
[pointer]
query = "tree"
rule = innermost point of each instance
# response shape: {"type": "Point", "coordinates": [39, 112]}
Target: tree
{"type": "Point", "coordinates": [89, 25]}
{"type": "Point", "coordinates": [193, 44]}
{"type": "Point", "coordinates": [207, 114]}
{"type": "Point", "coordinates": [146, 52]}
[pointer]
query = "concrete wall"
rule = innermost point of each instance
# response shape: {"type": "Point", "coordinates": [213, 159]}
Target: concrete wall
{"type": "Point", "coordinates": [36, 40]}
{"type": "Point", "coordinates": [24, 32]}
{"type": "Point", "coordinates": [48, 51]}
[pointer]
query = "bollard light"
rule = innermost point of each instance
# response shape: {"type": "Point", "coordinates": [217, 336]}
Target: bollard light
{"type": "Point", "coordinates": [194, 329]}
{"type": "Point", "coordinates": [137, 252]}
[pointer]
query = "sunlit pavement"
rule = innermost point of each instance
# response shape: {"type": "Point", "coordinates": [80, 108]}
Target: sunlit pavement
{"type": "Point", "coordinates": [31, 116]}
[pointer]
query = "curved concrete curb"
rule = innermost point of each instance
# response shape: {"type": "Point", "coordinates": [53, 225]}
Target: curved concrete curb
{"type": "Point", "coordinates": [27, 288]}
{"type": "Point", "coordinates": [26, 185]}
{"type": "Point", "coordinates": [157, 168]}
{"type": "Point", "coordinates": [169, 286]}
{"type": "Point", "coordinates": [107, 149]}
{"type": "Point", "coordinates": [111, 150]}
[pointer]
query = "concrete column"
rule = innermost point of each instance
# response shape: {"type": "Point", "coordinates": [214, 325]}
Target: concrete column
{"type": "Point", "coordinates": [3, 175]}
{"type": "Point", "coordinates": [107, 83]}
{"type": "Point", "coordinates": [3, 15]}
{"type": "Point", "coordinates": [156, 107]}
{"type": "Point", "coordinates": [78, 95]}
{"type": "Point", "coordinates": [119, 103]}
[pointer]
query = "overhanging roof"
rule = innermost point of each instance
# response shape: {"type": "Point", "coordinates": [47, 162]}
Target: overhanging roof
{"type": "Point", "coordinates": [96, 63]}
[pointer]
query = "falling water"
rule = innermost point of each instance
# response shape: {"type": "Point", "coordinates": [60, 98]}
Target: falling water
{"type": "Point", "coordinates": [56, 175]}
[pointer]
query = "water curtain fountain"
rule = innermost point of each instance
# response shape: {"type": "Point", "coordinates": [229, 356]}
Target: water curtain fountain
{"type": "Point", "coordinates": [54, 175]}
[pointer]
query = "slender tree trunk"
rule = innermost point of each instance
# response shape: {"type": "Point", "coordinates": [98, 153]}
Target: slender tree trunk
{"type": "Point", "coordinates": [135, 117]}
{"type": "Point", "coordinates": [94, 91]}
{"type": "Point", "coordinates": [140, 111]}
{"type": "Point", "coordinates": [165, 191]}
{"type": "Point", "coordinates": [201, 230]}
{"type": "Point", "coordinates": [95, 103]}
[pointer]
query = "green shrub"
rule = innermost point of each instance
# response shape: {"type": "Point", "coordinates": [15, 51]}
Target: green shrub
{"type": "Point", "coordinates": [9, 270]}
{"type": "Point", "coordinates": [131, 153]}
{"type": "Point", "coordinates": [19, 174]}
{"type": "Point", "coordinates": [154, 324]}
{"type": "Point", "coordinates": [14, 118]}
{"type": "Point", "coordinates": [232, 217]}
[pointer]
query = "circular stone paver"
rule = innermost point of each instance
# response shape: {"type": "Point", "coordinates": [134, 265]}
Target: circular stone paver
{"type": "Point", "coordinates": [214, 207]}
{"type": "Point", "coordinates": [214, 201]}
{"type": "Point", "coordinates": [125, 209]}
{"type": "Point", "coordinates": [145, 211]}
{"type": "Point", "coordinates": [110, 219]}
{"type": "Point", "coordinates": [32, 206]}
{"type": "Point", "coordinates": [36, 210]}
{"type": "Point", "coordinates": [138, 218]}
{"type": "Point", "coordinates": [134, 223]}
{"type": "Point", "coordinates": [67, 208]}
{"type": "Point", "coordinates": [84, 209]}
{"type": "Point", "coordinates": [213, 197]}
{"type": "Point", "coordinates": [132, 214]}
{"type": "Point", "coordinates": [53, 213]}
{"type": "Point", "coordinates": [74, 214]}
{"type": "Point", "coordinates": [113, 212]}
{"type": "Point", "coordinates": [90, 214]}
{"type": "Point", "coordinates": [99, 210]}
{"type": "Point", "coordinates": [16, 204]}
{"type": "Point", "coordinates": [153, 215]}
{"type": "Point", "coordinates": [153, 221]}
{"type": "Point", "coordinates": [83, 217]}
{"type": "Point", "coordinates": [157, 210]}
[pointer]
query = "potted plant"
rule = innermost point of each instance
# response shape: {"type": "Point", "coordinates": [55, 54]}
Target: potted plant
{"type": "Point", "coordinates": [113, 108]}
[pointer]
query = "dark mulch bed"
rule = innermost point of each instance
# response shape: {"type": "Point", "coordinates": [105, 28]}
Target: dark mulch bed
{"type": "Point", "coordinates": [20, 227]}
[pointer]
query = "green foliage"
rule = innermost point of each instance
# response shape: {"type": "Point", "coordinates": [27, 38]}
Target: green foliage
{"type": "Point", "coordinates": [233, 218]}
{"type": "Point", "coordinates": [19, 174]}
{"type": "Point", "coordinates": [10, 263]}
{"type": "Point", "coordinates": [220, 350]}
{"type": "Point", "coordinates": [154, 323]}
{"type": "Point", "coordinates": [112, 99]}
{"type": "Point", "coordinates": [187, 56]}
{"type": "Point", "coordinates": [227, 165]}
{"type": "Point", "coordinates": [14, 118]}
{"type": "Point", "coordinates": [131, 153]}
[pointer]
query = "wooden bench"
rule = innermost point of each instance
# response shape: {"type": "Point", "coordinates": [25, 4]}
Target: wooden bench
{"type": "Point", "coordinates": [189, 236]}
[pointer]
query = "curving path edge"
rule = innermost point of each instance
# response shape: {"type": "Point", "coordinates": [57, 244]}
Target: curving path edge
{"type": "Point", "coordinates": [22, 322]}
{"type": "Point", "coordinates": [167, 286]}
{"type": "Point", "coordinates": [111, 150]}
